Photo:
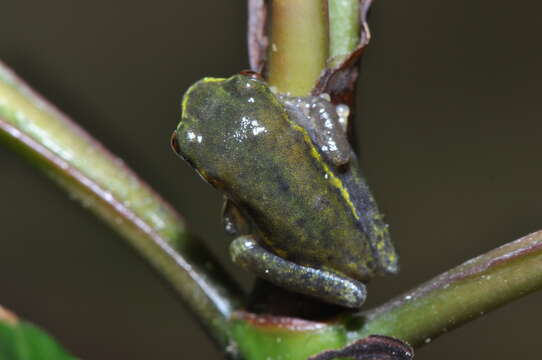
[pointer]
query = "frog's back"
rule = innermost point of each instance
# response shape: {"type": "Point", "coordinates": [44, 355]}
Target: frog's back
{"type": "Point", "coordinates": [239, 137]}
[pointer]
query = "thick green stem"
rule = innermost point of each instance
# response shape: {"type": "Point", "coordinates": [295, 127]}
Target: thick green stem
{"type": "Point", "coordinates": [461, 294]}
{"type": "Point", "coordinates": [105, 185]}
{"type": "Point", "coordinates": [344, 29]}
{"type": "Point", "coordinates": [418, 316]}
{"type": "Point", "coordinates": [299, 45]}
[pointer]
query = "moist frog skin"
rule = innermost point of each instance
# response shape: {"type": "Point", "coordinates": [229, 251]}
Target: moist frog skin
{"type": "Point", "coordinates": [294, 193]}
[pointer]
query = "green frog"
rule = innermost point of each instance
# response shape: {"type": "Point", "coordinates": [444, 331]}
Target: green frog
{"type": "Point", "coordinates": [294, 194]}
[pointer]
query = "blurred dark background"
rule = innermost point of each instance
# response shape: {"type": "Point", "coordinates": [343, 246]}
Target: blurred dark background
{"type": "Point", "coordinates": [449, 127]}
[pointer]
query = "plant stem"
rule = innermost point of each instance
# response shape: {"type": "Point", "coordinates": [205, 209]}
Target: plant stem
{"type": "Point", "coordinates": [344, 29]}
{"type": "Point", "coordinates": [418, 316]}
{"type": "Point", "coordinates": [299, 46]}
{"type": "Point", "coordinates": [461, 294]}
{"type": "Point", "coordinates": [105, 185]}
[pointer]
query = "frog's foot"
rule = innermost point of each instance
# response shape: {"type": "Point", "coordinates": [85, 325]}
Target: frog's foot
{"type": "Point", "coordinates": [322, 284]}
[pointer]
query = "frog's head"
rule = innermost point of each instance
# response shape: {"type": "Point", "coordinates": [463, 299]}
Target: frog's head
{"type": "Point", "coordinates": [212, 126]}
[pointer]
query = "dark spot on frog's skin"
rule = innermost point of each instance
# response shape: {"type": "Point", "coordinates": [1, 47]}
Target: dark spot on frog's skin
{"type": "Point", "coordinates": [244, 175]}
{"type": "Point", "coordinates": [360, 226]}
{"type": "Point", "coordinates": [343, 168]}
{"type": "Point", "coordinates": [301, 222]}
{"type": "Point", "coordinates": [328, 239]}
{"type": "Point", "coordinates": [283, 185]}
{"type": "Point", "coordinates": [321, 203]}
{"type": "Point", "coordinates": [293, 257]}
{"type": "Point", "coordinates": [371, 264]}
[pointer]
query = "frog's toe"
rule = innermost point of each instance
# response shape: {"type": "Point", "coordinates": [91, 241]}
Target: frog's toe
{"type": "Point", "coordinates": [353, 294]}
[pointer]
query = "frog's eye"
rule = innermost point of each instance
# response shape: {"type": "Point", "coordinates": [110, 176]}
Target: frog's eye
{"type": "Point", "coordinates": [252, 74]}
{"type": "Point", "coordinates": [240, 86]}
{"type": "Point", "coordinates": [174, 143]}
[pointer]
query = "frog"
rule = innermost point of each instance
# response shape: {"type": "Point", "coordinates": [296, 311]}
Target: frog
{"type": "Point", "coordinates": [295, 196]}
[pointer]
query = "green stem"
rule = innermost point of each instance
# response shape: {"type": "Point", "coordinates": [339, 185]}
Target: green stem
{"type": "Point", "coordinates": [299, 45]}
{"type": "Point", "coordinates": [418, 316]}
{"type": "Point", "coordinates": [461, 294]}
{"type": "Point", "coordinates": [344, 29]}
{"type": "Point", "coordinates": [106, 186]}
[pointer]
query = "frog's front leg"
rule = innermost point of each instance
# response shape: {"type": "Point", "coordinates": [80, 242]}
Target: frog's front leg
{"type": "Point", "coordinates": [329, 286]}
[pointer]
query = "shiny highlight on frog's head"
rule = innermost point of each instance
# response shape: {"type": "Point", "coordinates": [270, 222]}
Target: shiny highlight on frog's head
{"type": "Point", "coordinates": [218, 114]}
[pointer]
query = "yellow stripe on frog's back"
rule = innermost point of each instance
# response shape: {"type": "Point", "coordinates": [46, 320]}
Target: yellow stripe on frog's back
{"type": "Point", "coordinates": [334, 180]}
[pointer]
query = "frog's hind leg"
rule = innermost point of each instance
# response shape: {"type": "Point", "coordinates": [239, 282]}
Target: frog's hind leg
{"type": "Point", "coordinates": [322, 284]}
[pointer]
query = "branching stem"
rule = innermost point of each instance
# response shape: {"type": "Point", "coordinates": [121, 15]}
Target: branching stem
{"type": "Point", "coordinates": [457, 296]}
{"type": "Point", "coordinates": [106, 186]}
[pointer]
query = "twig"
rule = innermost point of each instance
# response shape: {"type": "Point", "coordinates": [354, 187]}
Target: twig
{"type": "Point", "coordinates": [105, 185]}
